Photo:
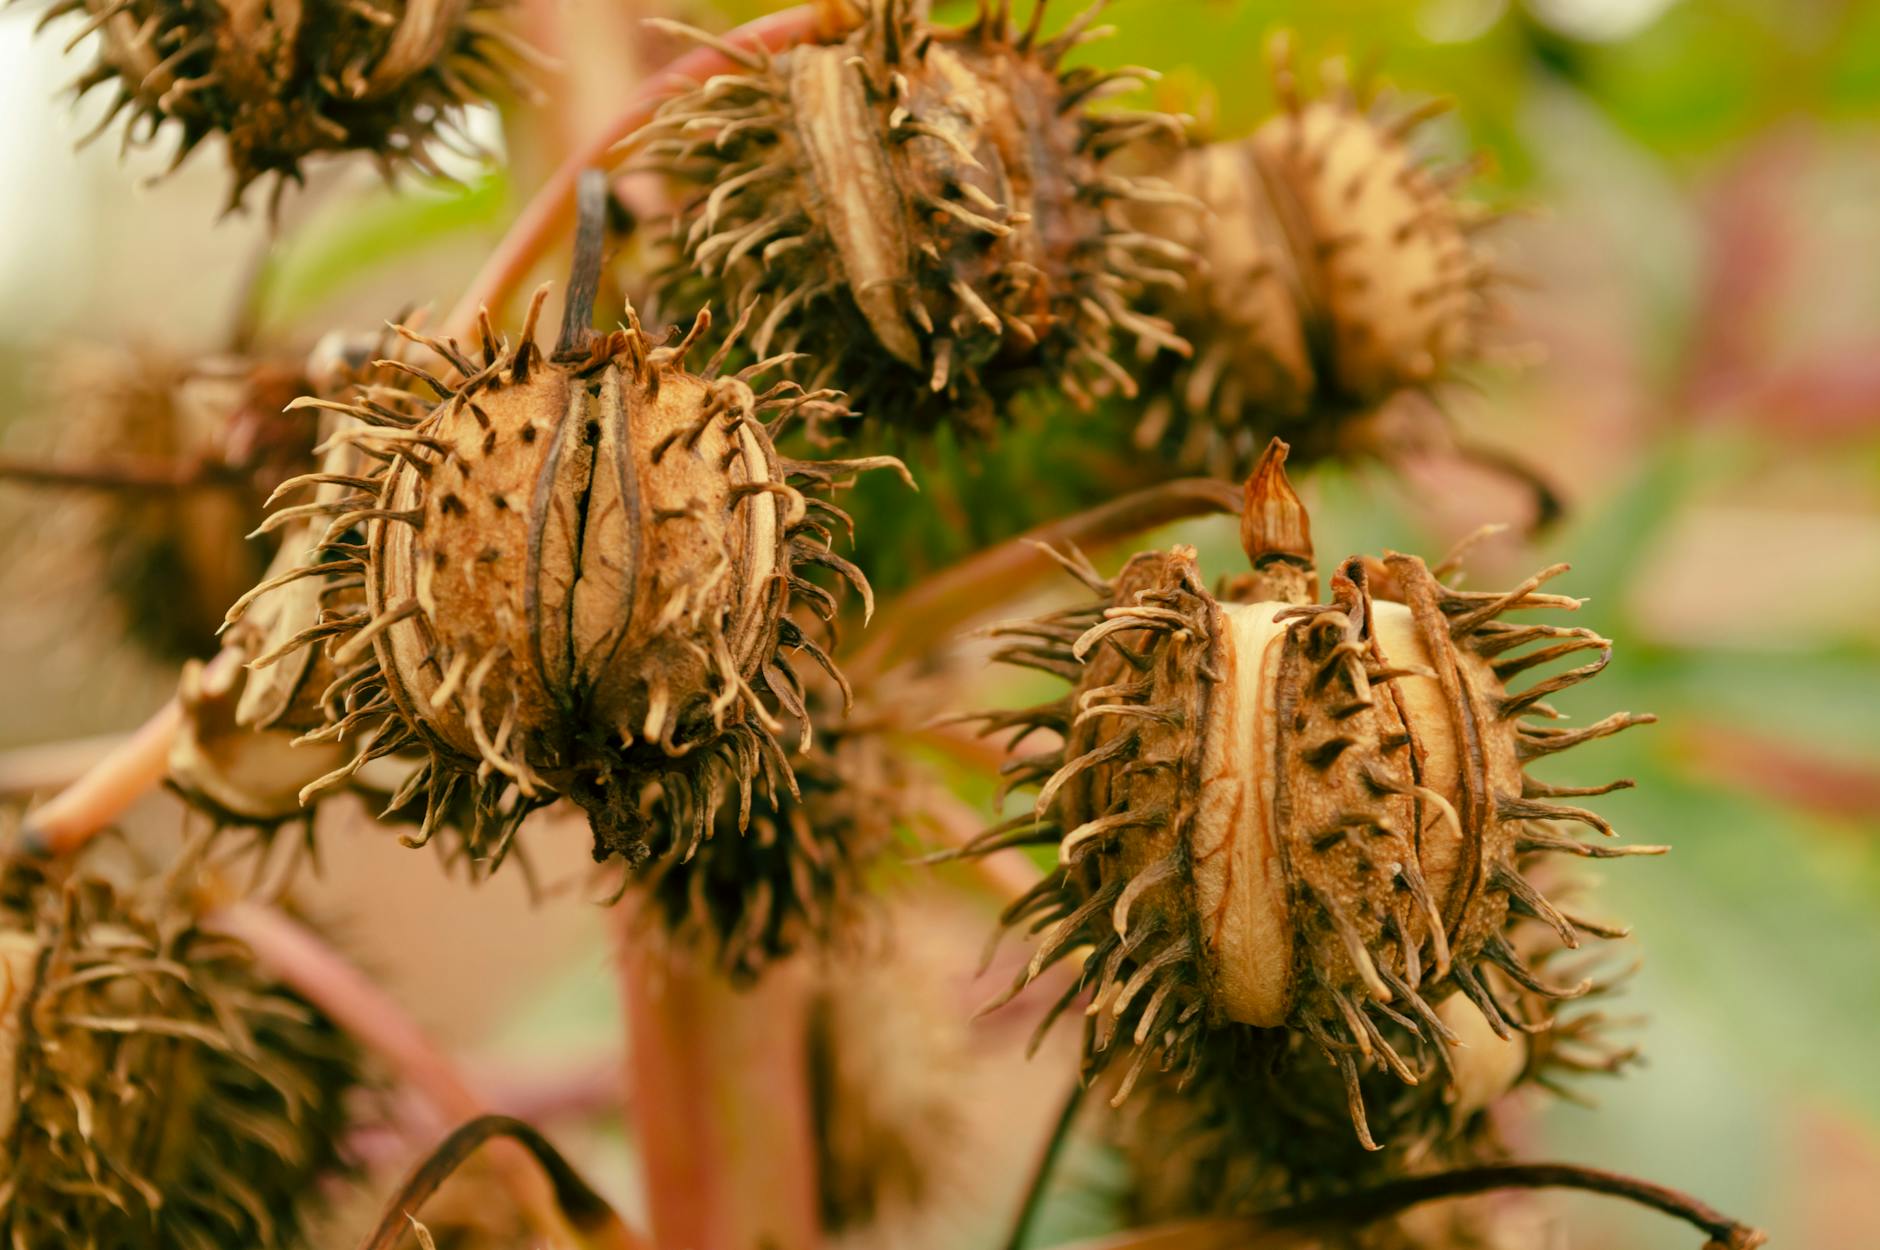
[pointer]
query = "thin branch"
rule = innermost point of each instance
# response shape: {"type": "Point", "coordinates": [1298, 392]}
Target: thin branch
{"type": "Point", "coordinates": [157, 476]}
{"type": "Point", "coordinates": [594, 1222]}
{"type": "Point", "coordinates": [1391, 1198]}
{"type": "Point", "coordinates": [549, 213]}
{"type": "Point", "coordinates": [935, 609]}
{"type": "Point", "coordinates": [1033, 1202]}
{"type": "Point", "coordinates": [88, 806]}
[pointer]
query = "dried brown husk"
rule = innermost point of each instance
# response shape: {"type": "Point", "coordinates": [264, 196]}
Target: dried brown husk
{"type": "Point", "coordinates": [1273, 813]}
{"type": "Point", "coordinates": [282, 83]}
{"type": "Point", "coordinates": [580, 571]}
{"type": "Point", "coordinates": [1336, 270]}
{"type": "Point", "coordinates": [160, 1090]}
{"type": "Point", "coordinates": [931, 214]}
{"type": "Point", "coordinates": [795, 876]}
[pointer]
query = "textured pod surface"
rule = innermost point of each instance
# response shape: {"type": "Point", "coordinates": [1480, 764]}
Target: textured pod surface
{"type": "Point", "coordinates": [1274, 813]}
{"type": "Point", "coordinates": [1335, 269]}
{"type": "Point", "coordinates": [282, 83]}
{"type": "Point", "coordinates": [928, 213]}
{"type": "Point", "coordinates": [797, 876]}
{"type": "Point", "coordinates": [578, 574]}
{"type": "Point", "coordinates": [159, 1091]}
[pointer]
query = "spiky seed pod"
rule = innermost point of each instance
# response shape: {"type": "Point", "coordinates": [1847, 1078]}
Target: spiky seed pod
{"type": "Point", "coordinates": [1282, 814]}
{"type": "Point", "coordinates": [797, 877]}
{"type": "Point", "coordinates": [930, 214]}
{"type": "Point", "coordinates": [1335, 271]}
{"type": "Point", "coordinates": [579, 572]}
{"type": "Point", "coordinates": [158, 1090]}
{"type": "Point", "coordinates": [281, 84]}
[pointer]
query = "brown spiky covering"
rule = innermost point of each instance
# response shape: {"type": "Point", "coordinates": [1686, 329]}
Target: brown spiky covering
{"type": "Point", "coordinates": [1335, 270]}
{"type": "Point", "coordinates": [579, 574]}
{"type": "Point", "coordinates": [168, 558]}
{"type": "Point", "coordinates": [159, 1090]}
{"type": "Point", "coordinates": [1273, 813]}
{"type": "Point", "coordinates": [930, 214]}
{"type": "Point", "coordinates": [282, 83]}
{"type": "Point", "coordinates": [796, 877]}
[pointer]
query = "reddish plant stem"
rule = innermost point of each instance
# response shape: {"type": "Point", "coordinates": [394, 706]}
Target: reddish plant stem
{"type": "Point", "coordinates": [718, 1091]}
{"type": "Point", "coordinates": [549, 214]}
{"type": "Point", "coordinates": [135, 767]}
{"type": "Point", "coordinates": [934, 610]}
{"type": "Point", "coordinates": [379, 1023]}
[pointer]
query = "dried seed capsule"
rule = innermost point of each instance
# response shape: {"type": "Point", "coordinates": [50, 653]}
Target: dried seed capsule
{"type": "Point", "coordinates": [796, 876]}
{"type": "Point", "coordinates": [280, 84]}
{"type": "Point", "coordinates": [579, 571]}
{"type": "Point", "coordinates": [1277, 813]}
{"type": "Point", "coordinates": [158, 1089]}
{"type": "Point", "coordinates": [930, 214]}
{"type": "Point", "coordinates": [1335, 271]}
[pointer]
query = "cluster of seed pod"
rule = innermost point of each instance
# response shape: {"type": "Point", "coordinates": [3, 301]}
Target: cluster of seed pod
{"type": "Point", "coordinates": [1275, 813]}
{"type": "Point", "coordinates": [932, 215]}
{"type": "Point", "coordinates": [1334, 271]}
{"type": "Point", "coordinates": [158, 1089]}
{"type": "Point", "coordinates": [578, 570]}
{"type": "Point", "coordinates": [280, 84]}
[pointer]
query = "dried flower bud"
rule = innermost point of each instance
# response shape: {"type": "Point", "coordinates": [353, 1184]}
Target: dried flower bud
{"type": "Point", "coordinates": [1335, 271]}
{"type": "Point", "coordinates": [797, 875]}
{"type": "Point", "coordinates": [280, 84]}
{"type": "Point", "coordinates": [578, 574]}
{"type": "Point", "coordinates": [158, 1089]}
{"type": "Point", "coordinates": [1283, 814]}
{"type": "Point", "coordinates": [927, 213]}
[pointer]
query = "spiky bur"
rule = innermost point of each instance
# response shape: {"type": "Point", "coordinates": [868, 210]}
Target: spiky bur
{"type": "Point", "coordinates": [796, 876]}
{"type": "Point", "coordinates": [1274, 813]}
{"type": "Point", "coordinates": [932, 215]}
{"type": "Point", "coordinates": [182, 453]}
{"type": "Point", "coordinates": [282, 83]}
{"type": "Point", "coordinates": [580, 570]}
{"type": "Point", "coordinates": [1336, 269]}
{"type": "Point", "coordinates": [159, 1091]}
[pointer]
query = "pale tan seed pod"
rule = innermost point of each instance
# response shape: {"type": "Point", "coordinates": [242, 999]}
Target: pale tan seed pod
{"type": "Point", "coordinates": [1335, 271]}
{"type": "Point", "coordinates": [155, 1088]}
{"type": "Point", "coordinates": [580, 569]}
{"type": "Point", "coordinates": [281, 84]}
{"type": "Point", "coordinates": [1274, 813]}
{"type": "Point", "coordinates": [932, 214]}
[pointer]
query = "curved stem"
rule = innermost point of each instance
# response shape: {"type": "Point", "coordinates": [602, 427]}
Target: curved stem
{"type": "Point", "coordinates": [1392, 1197]}
{"type": "Point", "coordinates": [548, 215]}
{"type": "Point", "coordinates": [935, 609]}
{"type": "Point", "coordinates": [1033, 1201]}
{"type": "Point", "coordinates": [379, 1022]}
{"type": "Point", "coordinates": [134, 768]}
{"type": "Point", "coordinates": [593, 1220]}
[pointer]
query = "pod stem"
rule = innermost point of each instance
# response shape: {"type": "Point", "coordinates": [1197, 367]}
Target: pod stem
{"type": "Point", "coordinates": [584, 273]}
{"type": "Point", "coordinates": [1033, 1202]}
{"type": "Point", "coordinates": [548, 213]}
{"type": "Point", "coordinates": [593, 1221]}
{"type": "Point", "coordinates": [1369, 1205]}
{"type": "Point", "coordinates": [934, 610]}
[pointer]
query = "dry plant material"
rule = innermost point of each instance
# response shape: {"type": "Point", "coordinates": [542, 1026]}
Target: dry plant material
{"type": "Point", "coordinates": [1335, 269]}
{"type": "Point", "coordinates": [1276, 813]}
{"type": "Point", "coordinates": [282, 83]}
{"type": "Point", "coordinates": [158, 1089]}
{"type": "Point", "coordinates": [932, 215]}
{"type": "Point", "coordinates": [579, 572]}
{"type": "Point", "coordinates": [795, 876]}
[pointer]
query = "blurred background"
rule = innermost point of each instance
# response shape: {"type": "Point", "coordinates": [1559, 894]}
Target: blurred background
{"type": "Point", "coordinates": [1699, 263]}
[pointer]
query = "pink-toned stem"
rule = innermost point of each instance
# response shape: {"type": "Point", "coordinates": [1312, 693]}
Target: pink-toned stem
{"type": "Point", "coordinates": [550, 213]}
{"type": "Point", "coordinates": [380, 1023]}
{"type": "Point", "coordinates": [88, 806]}
{"type": "Point", "coordinates": [934, 610]}
{"type": "Point", "coordinates": [718, 1084]}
